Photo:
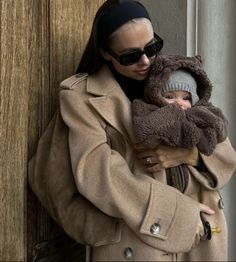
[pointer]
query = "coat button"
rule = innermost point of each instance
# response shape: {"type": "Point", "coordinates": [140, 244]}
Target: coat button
{"type": "Point", "coordinates": [128, 253]}
{"type": "Point", "coordinates": [155, 229]}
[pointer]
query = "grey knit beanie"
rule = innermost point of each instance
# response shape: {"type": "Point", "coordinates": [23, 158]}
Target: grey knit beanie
{"type": "Point", "coordinates": [182, 81]}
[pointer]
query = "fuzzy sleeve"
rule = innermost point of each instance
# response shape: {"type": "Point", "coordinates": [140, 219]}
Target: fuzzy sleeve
{"type": "Point", "coordinates": [167, 124]}
{"type": "Point", "coordinates": [211, 124]}
{"type": "Point", "coordinates": [217, 168]}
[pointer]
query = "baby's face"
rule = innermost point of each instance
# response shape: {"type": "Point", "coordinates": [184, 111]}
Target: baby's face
{"type": "Point", "coordinates": [182, 98]}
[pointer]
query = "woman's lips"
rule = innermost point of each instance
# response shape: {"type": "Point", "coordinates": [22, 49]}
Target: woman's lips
{"type": "Point", "coordinates": [143, 71]}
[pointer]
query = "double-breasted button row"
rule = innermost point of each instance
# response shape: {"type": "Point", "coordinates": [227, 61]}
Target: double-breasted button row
{"type": "Point", "coordinates": [155, 229]}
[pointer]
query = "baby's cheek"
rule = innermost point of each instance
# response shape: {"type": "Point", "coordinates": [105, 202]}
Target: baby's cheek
{"type": "Point", "coordinates": [188, 105]}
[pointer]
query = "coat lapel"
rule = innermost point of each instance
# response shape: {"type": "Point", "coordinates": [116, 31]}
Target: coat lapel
{"type": "Point", "coordinates": [111, 102]}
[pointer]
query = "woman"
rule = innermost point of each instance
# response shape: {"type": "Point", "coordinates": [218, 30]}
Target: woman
{"type": "Point", "coordinates": [151, 221]}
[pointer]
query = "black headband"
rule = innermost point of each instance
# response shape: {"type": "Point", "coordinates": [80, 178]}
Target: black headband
{"type": "Point", "coordinates": [117, 16]}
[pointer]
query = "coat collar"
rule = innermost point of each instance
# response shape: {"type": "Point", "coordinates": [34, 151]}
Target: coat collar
{"type": "Point", "coordinates": [110, 101]}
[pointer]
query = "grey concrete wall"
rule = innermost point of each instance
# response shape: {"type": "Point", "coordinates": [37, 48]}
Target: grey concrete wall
{"type": "Point", "coordinates": [216, 43]}
{"type": "Point", "coordinates": [169, 18]}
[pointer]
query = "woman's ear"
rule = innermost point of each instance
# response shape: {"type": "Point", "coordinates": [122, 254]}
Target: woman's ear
{"type": "Point", "coordinates": [104, 54]}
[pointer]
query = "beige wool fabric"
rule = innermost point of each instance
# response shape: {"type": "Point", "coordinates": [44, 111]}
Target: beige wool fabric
{"type": "Point", "coordinates": [120, 201]}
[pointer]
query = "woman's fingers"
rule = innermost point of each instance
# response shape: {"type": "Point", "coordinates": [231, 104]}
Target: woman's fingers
{"type": "Point", "coordinates": [144, 154]}
{"type": "Point", "coordinates": [166, 156]}
{"type": "Point", "coordinates": [206, 209]}
{"type": "Point", "coordinates": [199, 233]}
{"type": "Point", "coordinates": [151, 161]}
{"type": "Point", "coordinates": [154, 168]}
{"type": "Point", "coordinates": [200, 228]}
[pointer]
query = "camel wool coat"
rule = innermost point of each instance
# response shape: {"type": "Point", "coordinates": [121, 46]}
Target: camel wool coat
{"type": "Point", "coordinates": [154, 222]}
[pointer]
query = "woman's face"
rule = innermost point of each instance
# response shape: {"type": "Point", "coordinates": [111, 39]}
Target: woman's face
{"type": "Point", "coordinates": [133, 35]}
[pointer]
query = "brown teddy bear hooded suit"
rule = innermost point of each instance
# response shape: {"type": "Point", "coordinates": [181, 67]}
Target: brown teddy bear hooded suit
{"type": "Point", "coordinates": [155, 121]}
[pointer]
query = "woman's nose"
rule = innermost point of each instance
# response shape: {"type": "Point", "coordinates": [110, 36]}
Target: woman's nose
{"type": "Point", "coordinates": [144, 60]}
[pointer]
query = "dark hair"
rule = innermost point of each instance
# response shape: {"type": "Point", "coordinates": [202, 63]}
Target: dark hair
{"type": "Point", "coordinates": [92, 60]}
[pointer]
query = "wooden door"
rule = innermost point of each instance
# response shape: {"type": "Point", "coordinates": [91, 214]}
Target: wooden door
{"type": "Point", "coordinates": [41, 42]}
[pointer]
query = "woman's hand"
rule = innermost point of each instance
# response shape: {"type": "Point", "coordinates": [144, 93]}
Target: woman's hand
{"type": "Point", "coordinates": [165, 156]}
{"type": "Point", "coordinates": [200, 229]}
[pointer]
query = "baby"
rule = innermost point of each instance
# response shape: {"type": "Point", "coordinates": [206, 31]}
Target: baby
{"type": "Point", "coordinates": [176, 109]}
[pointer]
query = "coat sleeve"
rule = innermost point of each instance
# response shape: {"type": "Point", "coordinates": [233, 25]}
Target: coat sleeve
{"type": "Point", "coordinates": [102, 175]}
{"type": "Point", "coordinates": [216, 169]}
{"type": "Point", "coordinates": [218, 162]}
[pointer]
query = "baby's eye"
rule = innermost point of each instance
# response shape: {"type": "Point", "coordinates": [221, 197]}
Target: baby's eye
{"type": "Point", "coordinates": [168, 96]}
{"type": "Point", "coordinates": [187, 97]}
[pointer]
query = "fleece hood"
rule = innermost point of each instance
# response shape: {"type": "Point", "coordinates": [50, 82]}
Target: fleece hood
{"type": "Point", "coordinates": [160, 72]}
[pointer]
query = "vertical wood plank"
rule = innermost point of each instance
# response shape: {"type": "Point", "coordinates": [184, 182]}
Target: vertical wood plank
{"type": "Point", "coordinates": [40, 112]}
{"type": "Point", "coordinates": [56, 40]}
{"type": "Point", "coordinates": [14, 128]}
{"type": "Point", "coordinates": [70, 23]}
{"type": "Point", "coordinates": [38, 66]}
{"type": "Point", "coordinates": [41, 44]}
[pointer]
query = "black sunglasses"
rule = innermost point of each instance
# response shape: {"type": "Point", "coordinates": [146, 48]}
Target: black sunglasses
{"type": "Point", "coordinates": [133, 57]}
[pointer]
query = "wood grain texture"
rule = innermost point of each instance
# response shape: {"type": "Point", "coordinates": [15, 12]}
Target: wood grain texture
{"type": "Point", "coordinates": [70, 24]}
{"type": "Point", "coordinates": [40, 112]}
{"type": "Point", "coordinates": [14, 128]}
{"type": "Point", "coordinates": [41, 42]}
{"type": "Point", "coordinates": [56, 42]}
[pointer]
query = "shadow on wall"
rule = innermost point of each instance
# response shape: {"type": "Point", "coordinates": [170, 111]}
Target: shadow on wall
{"type": "Point", "coordinates": [231, 53]}
{"type": "Point", "coordinates": [231, 97]}
{"type": "Point", "coordinates": [229, 191]}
